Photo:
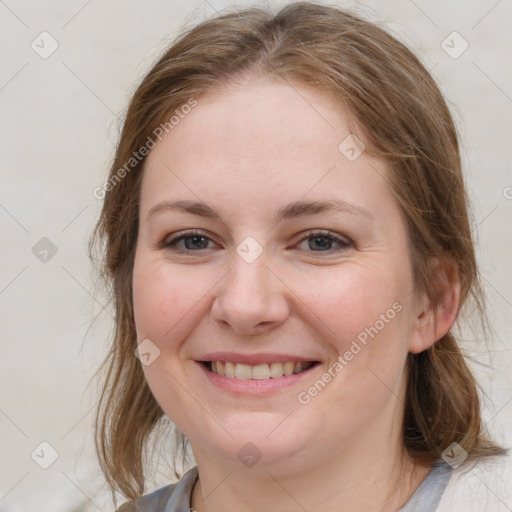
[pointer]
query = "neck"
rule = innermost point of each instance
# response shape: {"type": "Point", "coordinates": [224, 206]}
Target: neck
{"type": "Point", "coordinates": [377, 482]}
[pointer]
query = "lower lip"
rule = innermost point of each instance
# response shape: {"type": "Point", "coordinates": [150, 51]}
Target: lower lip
{"type": "Point", "coordinates": [255, 386]}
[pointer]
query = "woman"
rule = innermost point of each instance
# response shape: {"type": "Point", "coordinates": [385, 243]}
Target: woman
{"type": "Point", "coordinates": [288, 245]}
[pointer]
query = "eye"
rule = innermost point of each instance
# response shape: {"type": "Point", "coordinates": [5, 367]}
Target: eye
{"type": "Point", "coordinates": [191, 241]}
{"type": "Point", "coordinates": [324, 241]}
{"type": "Point", "coordinates": [195, 241]}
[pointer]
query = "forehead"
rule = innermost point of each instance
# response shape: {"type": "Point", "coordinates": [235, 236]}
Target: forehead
{"type": "Point", "coordinates": [251, 119]}
{"type": "Point", "coordinates": [260, 139]}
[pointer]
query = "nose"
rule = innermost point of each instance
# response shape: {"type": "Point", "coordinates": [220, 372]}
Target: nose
{"type": "Point", "coordinates": [250, 299]}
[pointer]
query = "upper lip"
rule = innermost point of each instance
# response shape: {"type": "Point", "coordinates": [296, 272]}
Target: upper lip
{"type": "Point", "coordinates": [253, 359]}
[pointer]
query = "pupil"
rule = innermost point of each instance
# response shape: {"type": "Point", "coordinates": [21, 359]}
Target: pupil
{"type": "Point", "coordinates": [197, 242]}
{"type": "Point", "coordinates": [321, 241]}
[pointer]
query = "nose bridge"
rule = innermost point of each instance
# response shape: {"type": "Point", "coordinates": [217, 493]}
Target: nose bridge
{"type": "Point", "coordinates": [250, 279]}
{"type": "Point", "coordinates": [250, 296]}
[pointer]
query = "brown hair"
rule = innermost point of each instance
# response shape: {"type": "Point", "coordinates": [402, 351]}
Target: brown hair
{"type": "Point", "coordinates": [407, 122]}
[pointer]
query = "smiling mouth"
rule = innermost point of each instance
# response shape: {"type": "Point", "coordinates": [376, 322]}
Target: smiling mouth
{"type": "Point", "coordinates": [258, 372]}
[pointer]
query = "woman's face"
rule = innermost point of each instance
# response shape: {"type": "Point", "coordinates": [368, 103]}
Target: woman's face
{"type": "Point", "coordinates": [266, 239]}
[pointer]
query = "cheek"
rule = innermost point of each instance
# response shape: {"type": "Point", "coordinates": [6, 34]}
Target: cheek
{"type": "Point", "coordinates": [351, 299]}
{"type": "Point", "coordinates": [152, 294]}
{"type": "Point", "coordinates": [166, 306]}
{"type": "Point", "coordinates": [368, 327]}
{"type": "Point", "coordinates": [164, 299]}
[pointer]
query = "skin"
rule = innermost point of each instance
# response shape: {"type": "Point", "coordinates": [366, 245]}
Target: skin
{"type": "Point", "coordinates": [247, 150]}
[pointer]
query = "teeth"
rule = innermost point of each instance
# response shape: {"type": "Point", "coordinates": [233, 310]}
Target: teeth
{"type": "Point", "coordinates": [288, 368]}
{"type": "Point", "coordinates": [276, 370]}
{"type": "Point", "coordinates": [230, 369]}
{"type": "Point", "coordinates": [260, 371]}
{"type": "Point", "coordinates": [243, 371]}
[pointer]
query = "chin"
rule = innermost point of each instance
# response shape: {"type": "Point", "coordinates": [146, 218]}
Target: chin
{"type": "Point", "coordinates": [259, 447]}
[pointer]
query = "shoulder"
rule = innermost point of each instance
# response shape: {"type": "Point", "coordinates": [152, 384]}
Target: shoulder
{"type": "Point", "coordinates": [171, 498]}
{"type": "Point", "coordinates": [155, 501]}
{"type": "Point", "coordinates": [484, 486]}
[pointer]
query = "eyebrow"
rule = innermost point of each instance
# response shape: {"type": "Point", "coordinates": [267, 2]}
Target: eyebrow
{"type": "Point", "coordinates": [290, 211]}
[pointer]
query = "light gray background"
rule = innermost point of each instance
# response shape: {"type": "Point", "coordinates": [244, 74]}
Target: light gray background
{"type": "Point", "coordinates": [58, 131]}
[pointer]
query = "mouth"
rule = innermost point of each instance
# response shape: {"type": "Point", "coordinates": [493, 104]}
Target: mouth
{"type": "Point", "coordinates": [265, 371]}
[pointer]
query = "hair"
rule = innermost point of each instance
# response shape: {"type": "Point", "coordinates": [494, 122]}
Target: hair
{"type": "Point", "coordinates": [390, 94]}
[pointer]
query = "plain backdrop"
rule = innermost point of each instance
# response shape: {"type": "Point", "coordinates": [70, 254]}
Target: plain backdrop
{"type": "Point", "coordinates": [68, 70]}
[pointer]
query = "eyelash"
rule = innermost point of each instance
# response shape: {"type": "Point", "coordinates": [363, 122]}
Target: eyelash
{"type": "Point", "coordinates": [170, 243]}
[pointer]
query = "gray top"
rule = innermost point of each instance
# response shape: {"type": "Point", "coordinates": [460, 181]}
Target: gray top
{"type": "Point", "coordinates": [176, 497]}
{"type": "Point", "coordinates": [429, 493]}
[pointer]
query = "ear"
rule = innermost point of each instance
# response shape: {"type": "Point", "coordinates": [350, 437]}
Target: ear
{"type": "Point", "coordinates": [431, 322]}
